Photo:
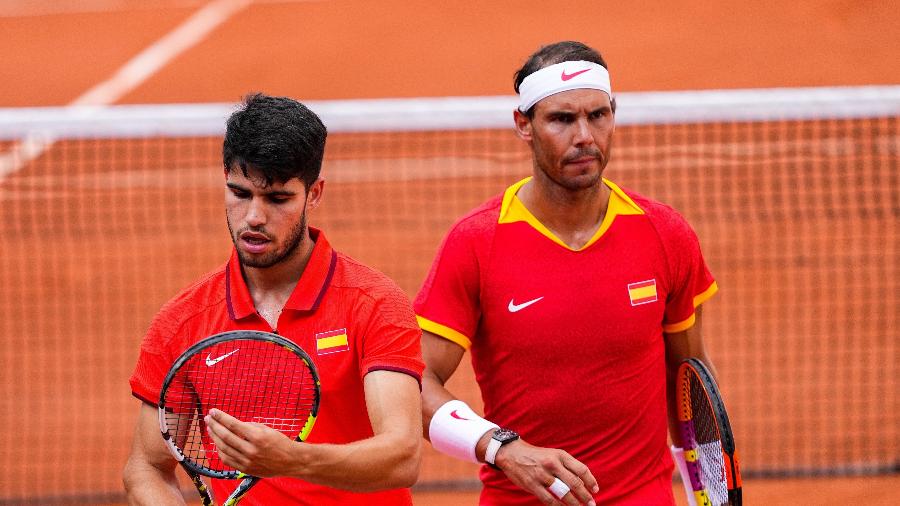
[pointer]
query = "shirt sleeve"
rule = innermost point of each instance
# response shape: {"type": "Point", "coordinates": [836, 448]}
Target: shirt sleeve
{"type": "Point", "coordinates": [448, 303]}
{"type": "Point", "coordinates": [154, 360]}
{"type": "Point", "coordinates": [392, 339]}
{"type": "Point", "coordinates": [691, 282]}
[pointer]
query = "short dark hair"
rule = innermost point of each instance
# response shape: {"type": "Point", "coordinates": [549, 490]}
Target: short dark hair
{"type": "Point", "coordinates": [277, 136]}
{"type": "Point", "coordinates": [558, 52]}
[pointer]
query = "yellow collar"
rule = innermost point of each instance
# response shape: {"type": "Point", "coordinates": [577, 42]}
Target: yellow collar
{"type": "Point", "coordinates": [512, 210]}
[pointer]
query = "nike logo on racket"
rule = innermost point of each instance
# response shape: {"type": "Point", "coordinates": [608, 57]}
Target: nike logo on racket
{"type": "Point", "coordinates": [213, 361]}
{"type": "Point", "coordinates": [566, 77]}
{"type": "Point", "coordinates": [515, 308]}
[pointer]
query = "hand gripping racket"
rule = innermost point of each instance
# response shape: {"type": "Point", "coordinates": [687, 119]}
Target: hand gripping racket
{"type": "Point", "coordinates": [713, 477]}
{"type": "Point", "coordinates": [253, 376]}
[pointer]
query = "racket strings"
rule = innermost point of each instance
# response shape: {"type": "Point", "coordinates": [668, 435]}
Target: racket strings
{"type": "Point", "coordinates": [705, 429]}
{"type": "Point", "coordinates": [251, 380]}
{"type": "Point", "coordinates": [707, 444]}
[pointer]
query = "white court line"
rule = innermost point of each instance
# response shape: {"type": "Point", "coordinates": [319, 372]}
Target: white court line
{"type": "Point", "coordinates": [131, 75]}
{"type": "Point", "coordinates": [34, 8]}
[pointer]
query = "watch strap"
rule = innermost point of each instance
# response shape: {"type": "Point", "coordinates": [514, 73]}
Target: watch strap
{"type": "Point", "coordinates": [491, 452]}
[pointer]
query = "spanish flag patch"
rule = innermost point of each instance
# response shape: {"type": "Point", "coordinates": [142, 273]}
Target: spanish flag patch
{"type": "Point", "coordinates": [642, 292]}
{"type": "Point", "coordinates": [332, 341]}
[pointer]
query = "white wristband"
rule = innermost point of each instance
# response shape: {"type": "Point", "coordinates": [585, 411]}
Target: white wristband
{"type": "Point", "coordinates": [455, 430]}
{"type": "Point", "coordinates": [681, 464]}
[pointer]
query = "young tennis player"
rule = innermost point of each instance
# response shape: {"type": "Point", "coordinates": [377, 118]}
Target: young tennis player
{"type": "Point", "coordinates": [577, 298]}
{"type": "Point", "coordinates": [284, 277]}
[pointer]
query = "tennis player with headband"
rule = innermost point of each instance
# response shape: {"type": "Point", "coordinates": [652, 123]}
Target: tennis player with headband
{"type": "Point", "coordinates": [577, 299]}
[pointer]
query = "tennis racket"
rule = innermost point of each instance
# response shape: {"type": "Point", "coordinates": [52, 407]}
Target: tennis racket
{"type": "Point", "coordinates": [253, 376]}
{"type": "Point", "coordinates": [713, 476]}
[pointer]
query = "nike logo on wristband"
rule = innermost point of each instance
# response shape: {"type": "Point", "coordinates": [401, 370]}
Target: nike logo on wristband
{"type": "Point", "coordinates": [515, 308]}
{"type": "Point", "coordinates": [566, 77]}
{"type": "Point", "coordinates": [454, 415]}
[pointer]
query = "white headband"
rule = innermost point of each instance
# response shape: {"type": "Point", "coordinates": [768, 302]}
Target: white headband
{"type": "Point", "coordinates": [565, 76]}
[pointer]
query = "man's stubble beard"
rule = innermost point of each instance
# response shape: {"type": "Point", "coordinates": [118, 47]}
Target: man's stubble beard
{"type": "Point", "coordinates": [294, 240]}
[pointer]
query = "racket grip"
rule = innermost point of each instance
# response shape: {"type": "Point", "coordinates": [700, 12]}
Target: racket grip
{"type": "Point", "coordinates": [681, 464]}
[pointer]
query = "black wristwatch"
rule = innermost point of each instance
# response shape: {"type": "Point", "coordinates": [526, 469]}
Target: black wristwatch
{"type": "Point", "coordinates": [500, 438]}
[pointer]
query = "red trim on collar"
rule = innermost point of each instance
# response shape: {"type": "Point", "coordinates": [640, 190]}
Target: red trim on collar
{"type": "Point", "coordinates": [307, 294]}
{"type": "Point", "coordinates": [315, 277]}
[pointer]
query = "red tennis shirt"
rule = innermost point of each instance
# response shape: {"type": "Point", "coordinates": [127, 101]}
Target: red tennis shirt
{"type": "Point", "coordinates": [351, 319]}
{"type": "Point", "coordinates": [568, 345]}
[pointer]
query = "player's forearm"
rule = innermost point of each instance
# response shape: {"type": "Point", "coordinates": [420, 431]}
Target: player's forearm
{"type": "Point", "coordinates": [680, 346]}
{"type": "Point", "coordinates": [147, 485]}
{"type": "Point", "coordinates": [672, 408]}
{"type": "Point", "coordinates": [442, 357]}
{"type": "Point", "coordinates": [382, 462]}
{"type": "Point", "coordinates": [434, 395]}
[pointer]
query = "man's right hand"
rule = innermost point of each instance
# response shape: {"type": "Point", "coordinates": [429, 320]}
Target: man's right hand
{"type": "Point", "coordinates": [534, 469]}
{"type": "Point", "coordinates": [530, 467]}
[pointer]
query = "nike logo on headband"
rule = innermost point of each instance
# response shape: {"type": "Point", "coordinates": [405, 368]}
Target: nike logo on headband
{"type": "Point", "coordinates": [566, 77]}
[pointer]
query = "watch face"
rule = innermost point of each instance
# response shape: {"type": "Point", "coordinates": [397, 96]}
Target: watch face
{"type": "Point", "coordinates": [505, 435]}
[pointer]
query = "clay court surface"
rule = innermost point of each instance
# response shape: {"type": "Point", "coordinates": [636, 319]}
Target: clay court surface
{"type": "Point", "coordinates": [834, 492]}
{"type": "Point", "coordinates": [321, 49]}
{"type": "Point", "coordinates": [104, 232]}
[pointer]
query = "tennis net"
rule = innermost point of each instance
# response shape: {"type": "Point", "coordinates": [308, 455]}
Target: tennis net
{"type": "Point", "coordinates": [794, 193]}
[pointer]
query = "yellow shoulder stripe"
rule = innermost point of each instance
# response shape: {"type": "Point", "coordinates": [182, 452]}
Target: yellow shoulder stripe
{"type": "Point", "coordinates": [444, 331]}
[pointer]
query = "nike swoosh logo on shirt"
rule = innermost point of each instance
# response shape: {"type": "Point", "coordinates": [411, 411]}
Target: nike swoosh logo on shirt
{"type": "Point", "coordinates": [566, 77]}
{"type": "Point", "coordinates": [213, 361]}
{"type": "Point", "coordinates": [514, 308]}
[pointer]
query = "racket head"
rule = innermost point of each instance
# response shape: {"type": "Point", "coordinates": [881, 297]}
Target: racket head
{"type": "Point", "coordinates": [706, 436]}
{"type": "Point", "coordinates": [252, 375]}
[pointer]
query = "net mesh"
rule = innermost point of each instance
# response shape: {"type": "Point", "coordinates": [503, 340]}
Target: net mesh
{"type": "Point", "coordinates": [797, 216]}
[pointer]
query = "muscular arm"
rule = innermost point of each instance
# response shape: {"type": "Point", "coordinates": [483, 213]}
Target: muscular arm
{"type": "Point", "coordinates": [530, 467]}
{"type": "Point", "coordinates": [149, 474]}
{"type": "Point", "coordinates": [441, 357]}
{"type": "Point", "coordinates": [680, 346]}
{"type": "Point", "coordinates": [389, 459]}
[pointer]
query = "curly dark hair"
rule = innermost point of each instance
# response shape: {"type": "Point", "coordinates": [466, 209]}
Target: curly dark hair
{"type": "Point", "coordinates": [277, 136]}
